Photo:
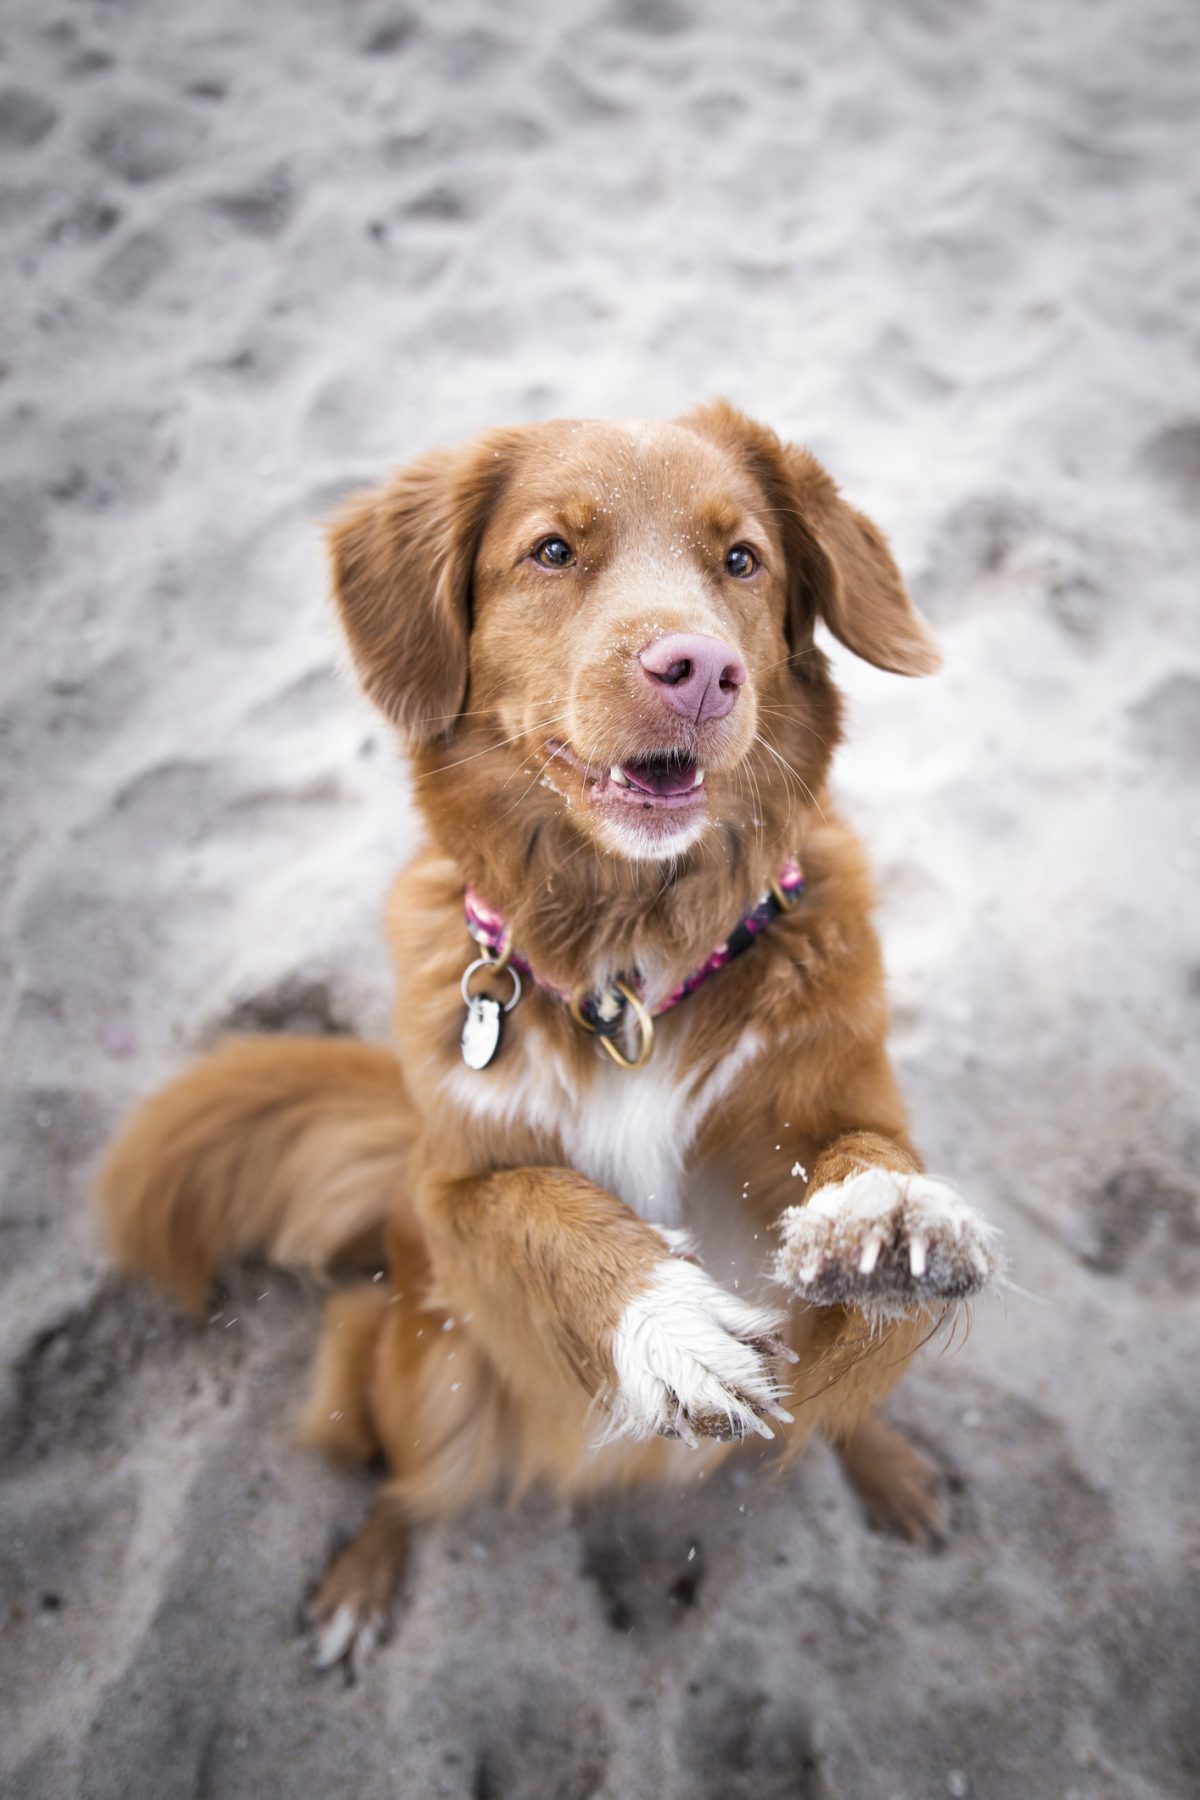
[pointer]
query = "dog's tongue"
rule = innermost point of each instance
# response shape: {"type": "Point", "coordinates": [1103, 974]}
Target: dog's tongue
{"type": "Point", "coordinates": [660, 775]}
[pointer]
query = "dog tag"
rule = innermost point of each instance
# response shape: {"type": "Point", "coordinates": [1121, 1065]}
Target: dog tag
{"type": "Point", "coordinates": [481, 1031]}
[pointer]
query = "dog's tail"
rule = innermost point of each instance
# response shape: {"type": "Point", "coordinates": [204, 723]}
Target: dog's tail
{"type": "Point", "coordinates": [289, 1147]}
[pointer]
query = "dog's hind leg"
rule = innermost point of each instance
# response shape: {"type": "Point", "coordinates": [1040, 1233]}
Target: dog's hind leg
{"type": "Point", "coordinates": [351, 1610]}
{"type": "Point", "coordinates": [392, 1377]}
{"type": "Point", "coordinates": [899, 1488]}
{"type": "Point", "coordinates": [338, 1416]}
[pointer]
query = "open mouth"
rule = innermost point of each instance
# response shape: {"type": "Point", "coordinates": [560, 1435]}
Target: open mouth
{"type": "Point", "coordinates": [668, 777]}
{"type": "Point", "coordinates": [665, 782]}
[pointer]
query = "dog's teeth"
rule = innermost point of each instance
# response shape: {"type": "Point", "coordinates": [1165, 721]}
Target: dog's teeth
{"type": "Point", "coordinates": [699, 781]}
{"type": "Point", "coordinates": [617, 774]}
{"type": "Point", "coordinates": [916, 1256]}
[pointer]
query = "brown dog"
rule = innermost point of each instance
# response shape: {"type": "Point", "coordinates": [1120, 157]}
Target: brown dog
{"type": "Point", "coordinates": [597, 641]}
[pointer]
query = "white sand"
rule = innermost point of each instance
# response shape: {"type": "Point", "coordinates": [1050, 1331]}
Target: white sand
{"type": "Point", "coordinates": [251, 254]}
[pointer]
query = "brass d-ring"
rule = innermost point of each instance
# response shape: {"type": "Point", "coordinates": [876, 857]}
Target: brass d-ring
{"type": "Point", "coordinates": [499, 963]}
{"type": "Point", "coordinates": [645, 1028]}
{"type": "Point", "coordinates": [574, 1007]}
{"type": "Point", "coordinates": [785, 902]}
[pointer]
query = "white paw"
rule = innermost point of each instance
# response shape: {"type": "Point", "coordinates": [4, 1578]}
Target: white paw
{"type": "Point", "coordinates": [348, 1635]}
{"type": "Point", "coordinates": [693, 1362]}
{"type": "Point", "coordinates": [886, 1243]}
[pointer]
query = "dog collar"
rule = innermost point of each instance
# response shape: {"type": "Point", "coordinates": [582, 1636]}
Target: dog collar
{"type": "Point", "coordinates": [602, 1011]}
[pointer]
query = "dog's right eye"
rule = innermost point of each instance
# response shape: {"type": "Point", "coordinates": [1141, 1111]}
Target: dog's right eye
{"type": "Point", "coordinates": [554, 553]}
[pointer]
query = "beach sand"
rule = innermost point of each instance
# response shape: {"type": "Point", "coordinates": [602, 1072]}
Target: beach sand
{"type": "Point", "coordinates": [251, 256]}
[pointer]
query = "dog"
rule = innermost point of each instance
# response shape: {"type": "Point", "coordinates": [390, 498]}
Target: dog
{"type": "Point", "coordinates": [638, 1158]}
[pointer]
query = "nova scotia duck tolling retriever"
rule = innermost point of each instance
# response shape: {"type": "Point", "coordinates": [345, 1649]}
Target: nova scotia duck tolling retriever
{"type": "Point", "coordinates": [636, 1160]}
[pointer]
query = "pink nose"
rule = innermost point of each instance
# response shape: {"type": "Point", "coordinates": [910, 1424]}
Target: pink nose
{"type": "Point", "coordinates": [697, 677]}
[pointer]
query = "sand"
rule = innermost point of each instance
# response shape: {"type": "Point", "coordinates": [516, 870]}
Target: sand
{"type": "Point", "coordinates": [253, 254]}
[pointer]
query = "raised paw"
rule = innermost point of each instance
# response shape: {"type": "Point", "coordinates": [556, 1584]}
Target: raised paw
{"type": "Point", "coordinates": [692, 1361]}
{"type": "Point", "coordinates": [886, 1243]}
{"type": "Point", "coordinates": [350, 1612]}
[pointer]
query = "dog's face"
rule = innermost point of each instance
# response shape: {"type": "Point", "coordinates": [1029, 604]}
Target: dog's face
{"type": "Point", "coordinates": [625, 611]}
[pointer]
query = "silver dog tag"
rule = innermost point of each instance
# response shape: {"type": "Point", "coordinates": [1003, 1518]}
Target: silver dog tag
{"type": "Point", "coordinates": [481, 1031]}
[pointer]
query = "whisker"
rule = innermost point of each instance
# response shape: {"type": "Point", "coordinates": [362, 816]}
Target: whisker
{"type": "Point", "coordinates": [537, 725]}
{"type": "Point", "coordinates": [521, 796]}
{"type": "Point", "coordinates": [785, 765]}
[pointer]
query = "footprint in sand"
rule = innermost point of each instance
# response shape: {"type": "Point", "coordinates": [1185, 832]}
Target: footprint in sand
{"type": "Point", "coordinates": [388, 36]}
{"type": "Point", "coordinates": [648, 1566]}
{"type": "Point", "coordinates": [25, 539]}
{"type": "Point", "coordinates": [25, 118]}
{"type": "Point", "coordinates": [132, 268]}
{"type": "Point", "coordinates": [145, 141]}
{"type": "Point", "coordinates": [526, 1733]}
{"type": "Point", "coordinates": [652, 18]}
{"type": "Point", "coordinates": [263, 208]}
{"type": "Point", "coordinates": [297, 1003]}
{"type": "Point", "coordinates": [1166, 722]}
{"type": "Point", "coordinates": [117, 457]}
{"type": "Point", "coordinates": [744, 1737]}
{"type": "Point", "coordinates": [74, 1383]}
{"type": "Point", "coordinates": [1172, 457]}
{"type": "Point", "coordinates": [86, 222]}
{"type": "Point", "coordinates": [1142, 1221]}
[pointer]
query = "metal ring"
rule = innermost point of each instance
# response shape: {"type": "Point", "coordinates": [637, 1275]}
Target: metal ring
{"type": "Point", "coordinates": [488, 953]}
{"type": "Point", "coordinates": [490, 962]}
{"type": "Point", "coordinates": [784, 901]}
{"type": "Point", "coordinates": [645, 1025]}
{"type": "Point", "coordinates": [574, 1007]}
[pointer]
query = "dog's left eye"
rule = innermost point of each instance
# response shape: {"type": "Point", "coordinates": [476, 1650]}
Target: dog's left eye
{"type": "Point", "coordinates": [741, 561]}
{"type": "Point", "coordinates": [554, 553]}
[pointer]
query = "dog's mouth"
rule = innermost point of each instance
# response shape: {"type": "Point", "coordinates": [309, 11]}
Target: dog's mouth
{"type": "Point", "coordinates": [666, 777]}
{"type": "Point", "coordinates": [667, 781]}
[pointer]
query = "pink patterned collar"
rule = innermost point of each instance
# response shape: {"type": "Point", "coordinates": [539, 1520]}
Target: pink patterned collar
{"type": "Point", "coordinates": [603, 1012]}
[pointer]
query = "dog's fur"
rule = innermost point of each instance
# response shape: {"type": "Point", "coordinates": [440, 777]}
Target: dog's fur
{"type": "Point", "coordinates": [543, 1316]}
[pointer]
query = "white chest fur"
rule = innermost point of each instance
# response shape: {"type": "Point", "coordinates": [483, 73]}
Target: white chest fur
{"type": "Point", "coordinates": [630, 1132]}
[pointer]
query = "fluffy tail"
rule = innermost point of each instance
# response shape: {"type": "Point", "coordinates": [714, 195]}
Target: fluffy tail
{"type": "Point", "coordinates": [290, 1147]}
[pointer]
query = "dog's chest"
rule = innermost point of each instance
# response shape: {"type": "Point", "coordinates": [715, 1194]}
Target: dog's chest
{"type": "Point", "coordinates": [632, 1132]}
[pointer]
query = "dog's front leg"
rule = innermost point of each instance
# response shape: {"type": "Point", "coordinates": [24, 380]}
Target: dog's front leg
{"type": "Point", "coordinates": [550, 1267]}
{"type": "Point", "coordinates": [876, 1233]}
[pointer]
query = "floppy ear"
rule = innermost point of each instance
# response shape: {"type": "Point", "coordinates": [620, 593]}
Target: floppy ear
{"type": "Point", "coordinates": [850, 577]}
{"type": "Point", "coordinates": [401, 558]}
{"type": "Point", "coordinates": [841, 568]}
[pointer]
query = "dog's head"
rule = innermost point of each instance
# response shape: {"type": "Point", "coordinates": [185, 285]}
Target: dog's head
{"type": "Point", "coordinates": [611, 624]}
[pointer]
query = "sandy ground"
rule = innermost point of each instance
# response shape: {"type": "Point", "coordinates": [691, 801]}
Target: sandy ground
{"type": "Point", "coordinates": [250, 255]}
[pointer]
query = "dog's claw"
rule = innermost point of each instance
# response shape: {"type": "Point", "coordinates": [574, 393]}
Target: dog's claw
{"type": "Point", "coordinates": [693, 1361]}
{"type": "Point", "coordinates": [334, 1638]}
{"type": "Point", "coordinates": [887, 1243]}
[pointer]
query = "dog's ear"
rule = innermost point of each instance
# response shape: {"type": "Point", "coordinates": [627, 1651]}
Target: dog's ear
{"type": "Point", "coordinates": [402, 557]}
{"type": "Point", "coordinates": [840, 566]}
{"type": "Point", "coordinates": [848, 577]}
